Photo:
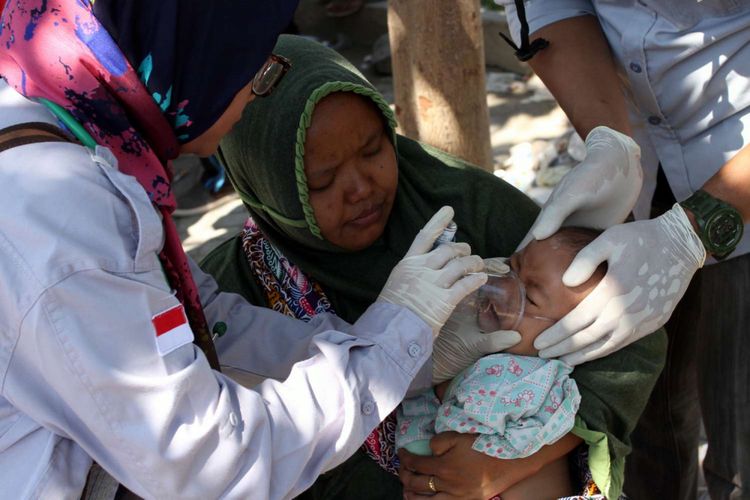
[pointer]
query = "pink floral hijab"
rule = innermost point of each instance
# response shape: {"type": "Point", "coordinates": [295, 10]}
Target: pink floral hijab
{"type": "Point", "coordinates": [142, 77]}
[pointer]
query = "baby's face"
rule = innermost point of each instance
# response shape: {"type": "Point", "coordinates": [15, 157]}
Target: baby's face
{"type": "Point", "coordinates": [540, 266]}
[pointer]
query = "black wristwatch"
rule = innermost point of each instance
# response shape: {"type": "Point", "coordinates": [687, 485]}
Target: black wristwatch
{"type": "Point", "coordinates": [720, 225]}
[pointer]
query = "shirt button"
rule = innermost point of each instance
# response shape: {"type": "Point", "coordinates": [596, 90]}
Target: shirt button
{"type": "Point", "coordinates": [654, 120]}
{"type": "Point", "coordinates": [636, 67]}
{"type": "Point", "coordinates": [414, 350]}
{"type": "Point", "coordinates": [219, 329]}
{"type": "Point", "coordinates": [233, 419]}
{"type": "Point", "coordinates": [368, 407]}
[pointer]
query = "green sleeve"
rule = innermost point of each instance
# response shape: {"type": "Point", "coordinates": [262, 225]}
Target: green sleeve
{"type": "Point", "coordinates": [614, 392]}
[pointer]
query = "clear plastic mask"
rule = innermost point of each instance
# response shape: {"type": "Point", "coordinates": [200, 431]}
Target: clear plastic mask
{"type": "Point", "coordinates": [500, 304]}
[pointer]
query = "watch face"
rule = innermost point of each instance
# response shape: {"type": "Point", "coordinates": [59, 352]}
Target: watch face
{"type": "Point", "coordinates": [724, 229]}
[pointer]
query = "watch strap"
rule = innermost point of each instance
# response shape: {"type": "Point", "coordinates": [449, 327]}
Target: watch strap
{"type": "Point", "coordinates": [707, 210]}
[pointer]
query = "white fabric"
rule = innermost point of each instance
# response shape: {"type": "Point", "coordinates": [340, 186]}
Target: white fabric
{"type": "Point", "coordinates": [636, 296]}
{"type": "Point", "coordinates": [81, 377]}
{"type": "Point", "coordinates": [687, 66]}
{"type": "Point", "coordinates": [431, 283]}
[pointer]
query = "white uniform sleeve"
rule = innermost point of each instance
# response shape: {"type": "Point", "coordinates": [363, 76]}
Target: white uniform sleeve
{"type": "Point", "coordinates": [540, 13]}
{"type": "Point", "coordinates": [263, 352]}
{"type": "Point", "coordinates": [86, 366]}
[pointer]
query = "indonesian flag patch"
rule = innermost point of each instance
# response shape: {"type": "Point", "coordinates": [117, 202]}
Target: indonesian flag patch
{"type": "Point", "coordinates": [172, 329]}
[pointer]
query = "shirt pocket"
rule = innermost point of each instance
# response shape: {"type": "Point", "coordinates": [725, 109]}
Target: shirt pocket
{"type": "Point", "coordinates": [148, 231]}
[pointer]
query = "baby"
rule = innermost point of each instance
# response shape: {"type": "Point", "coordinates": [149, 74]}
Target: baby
{"type": "Point", "coordinates": [514, 401]}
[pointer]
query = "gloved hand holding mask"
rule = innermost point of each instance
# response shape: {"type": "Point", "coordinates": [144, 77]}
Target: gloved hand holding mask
{"type": "Point", "coordinates": [462, 341]}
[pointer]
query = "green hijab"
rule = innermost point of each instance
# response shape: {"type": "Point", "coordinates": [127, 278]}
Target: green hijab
{"type": "Point", "coordinates": [264, 157]}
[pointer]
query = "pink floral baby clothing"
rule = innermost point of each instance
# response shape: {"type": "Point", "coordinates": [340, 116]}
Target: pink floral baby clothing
{"type": "Point", "coordinates": [516, 404]}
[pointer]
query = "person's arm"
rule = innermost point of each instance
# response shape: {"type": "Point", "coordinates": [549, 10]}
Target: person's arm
{"type": "Point", "coordinates": [731, 184]}
{"type": "Point", "coordinates": [104, 358]}
{"type": "Point", "coordinates": [579, 70]}
{"type": "Point", "coordinates": [263, 343]}
{"type": "Point", "coordinates": [88, 364]}
{"type": "Point", "coordinates": [577, 65]}
{"type": "Point", "coordinates": [614, 392]}
{"type": "Point", "coordinates": [461, 472]}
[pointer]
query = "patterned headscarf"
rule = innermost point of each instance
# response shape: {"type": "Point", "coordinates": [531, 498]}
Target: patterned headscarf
{"type": "Point", "coordinates": [142, 76]}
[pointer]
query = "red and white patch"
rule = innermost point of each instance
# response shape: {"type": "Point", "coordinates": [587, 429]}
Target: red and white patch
{"type": "Point", "coordinates": [172, 329]}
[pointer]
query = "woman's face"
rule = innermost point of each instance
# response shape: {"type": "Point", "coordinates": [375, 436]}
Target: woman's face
{"type": "Point", "coordinates": [351, 170]}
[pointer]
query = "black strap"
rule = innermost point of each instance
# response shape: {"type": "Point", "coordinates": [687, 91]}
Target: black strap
{"type": "Point", "coordinates": [527, 50]}
{"type": "Point", "coordinates": [58, 134]}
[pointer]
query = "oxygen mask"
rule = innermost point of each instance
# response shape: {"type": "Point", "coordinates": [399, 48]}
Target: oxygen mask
{"type": "Point", "coordinates": [499, 304]}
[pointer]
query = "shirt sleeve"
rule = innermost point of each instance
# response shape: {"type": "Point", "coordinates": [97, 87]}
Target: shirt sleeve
{"type": "Point", "coordinates": [264, 352]}
{"type": "Point", "coordinates": [87, 366]}
{"type": "Point", "coordinates": [540, 13]}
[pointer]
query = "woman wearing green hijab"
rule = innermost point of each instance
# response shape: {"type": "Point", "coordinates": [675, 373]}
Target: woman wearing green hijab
{"type": "Point", "coordinates": [335, 198]}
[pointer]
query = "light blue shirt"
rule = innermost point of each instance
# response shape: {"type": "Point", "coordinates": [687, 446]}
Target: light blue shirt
{"type": "Point", "coordinates": [687, 68]}
{"type": "Point", "coordinates": [82, 377]}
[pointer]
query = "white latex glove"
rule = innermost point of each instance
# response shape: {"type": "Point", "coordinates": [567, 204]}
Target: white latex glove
{"type": "Point", "coordinates": [431, 282]}
{"type": "Point", "coordinates": [460, 343]}
{"type": "Point", "coordinates": [650, 264]}
{"type": "Point", "coordinates": [599, 192]}
{"type": "Point", "coordinates": [496, 265]}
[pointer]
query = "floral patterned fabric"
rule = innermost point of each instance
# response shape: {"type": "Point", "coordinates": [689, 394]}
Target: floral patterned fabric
{"type": "Point", "coordinates": [141, 78]}
{"type": "Point", "coordinates": [515, 405]}
{"type": "Point", "coordinates": [287, 289]}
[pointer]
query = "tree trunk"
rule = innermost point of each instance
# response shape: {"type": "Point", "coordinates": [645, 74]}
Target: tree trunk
{"type": "Point", "coordinates": [437, 50]}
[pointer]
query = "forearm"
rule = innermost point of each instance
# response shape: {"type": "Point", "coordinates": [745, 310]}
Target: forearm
{"type": "Point", "coordinates": [145, 414]}
{"type": "Point", "coordinates": [732, 183]}
{"type": "Point", "coordinates": [511, 472]}
{"type": "Point", "coordinates": [579, 70]}
{"type": "Point", "coordinates": [463, 472]}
